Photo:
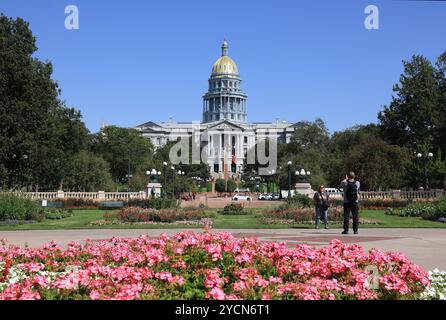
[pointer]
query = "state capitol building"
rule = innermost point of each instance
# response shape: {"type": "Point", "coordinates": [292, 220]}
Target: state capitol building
{"type": "Point", "coordinates": [224, 130]}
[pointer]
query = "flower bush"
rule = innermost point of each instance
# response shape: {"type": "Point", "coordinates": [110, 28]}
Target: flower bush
{"type": "Point", "coordinates": [234, 209]}
{"type": "Point", "coordinates": [377, 203]}
{"type": "Point", "coordinates": [135, 214]}
{"type": "Point", "coordinates": [427, 210]}
{"type": "Point", "coordinates": [74, 203]}
{"type": "Point", "coordinates": [57, 213]}
{"type": "Point", "coordinates": [205, 266]}
{"type": "Point", "coordinates": [155, 203]}
{"type": "Point", "coordinates": [437, 290]}
{"type": "Point", "coordinates": [303, 215]}
{"type": "Point", "coordinates": [16, 208]}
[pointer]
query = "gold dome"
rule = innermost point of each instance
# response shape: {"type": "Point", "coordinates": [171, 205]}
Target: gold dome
{"type": "Point", "coordinates": [225, 66]}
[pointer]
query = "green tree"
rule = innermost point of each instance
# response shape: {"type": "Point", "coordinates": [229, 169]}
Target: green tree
{"type": "Point", "coordinates": [377, 164]}
{"type": "Point", "coordinates": [413, 115]}
{"type": "Point", "coordinates": [125, 150]}
{"type": "Point", "coordinates": [340, 145]}
{"type": "Point", "coordinates": [222, 185]}
{"type": "Point", "coordinates": [38, 132]}
{"type": "Point", "coordinates": [173, 181]}
{"type": "Point", "coordinates": [87, 172]}
{"type": "Point", "coordinates": [436, 171]}
{"type": "Point", "coordinates": [309, 135]}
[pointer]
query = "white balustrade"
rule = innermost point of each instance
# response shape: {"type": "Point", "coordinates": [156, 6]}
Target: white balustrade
{"type": "Point", "coordinates": [123, 196]}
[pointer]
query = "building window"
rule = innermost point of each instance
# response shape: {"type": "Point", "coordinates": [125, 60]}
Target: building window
{"type": "Point", "coordinates": [245, 139]}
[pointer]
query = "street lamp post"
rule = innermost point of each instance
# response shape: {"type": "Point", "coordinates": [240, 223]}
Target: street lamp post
{"type": "Point", "coordinates": [163, 189]}
{"type": "Point", "coordinates": [426, 158]}
{"type": "Point", "coordinates": [173, 181]}
{"type": "Point", "coordinates": [303, 174]}
{"type": "Point", "coordinates": [271, 179]}
{"type": "Point", "coordinates": [289, 178]}
{"type": "Point", "coordinates": [153, 174]}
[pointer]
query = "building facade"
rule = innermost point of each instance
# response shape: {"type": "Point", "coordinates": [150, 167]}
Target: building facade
{"type": "Point", "coordinates": [224, 133]}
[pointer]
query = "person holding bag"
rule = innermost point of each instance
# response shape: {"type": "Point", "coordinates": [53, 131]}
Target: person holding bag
{"type": "Point", "coordinates": [322, 203]}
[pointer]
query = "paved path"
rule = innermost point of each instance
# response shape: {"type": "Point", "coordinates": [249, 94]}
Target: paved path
{"type": "Point", "coordinates": [426, 247]}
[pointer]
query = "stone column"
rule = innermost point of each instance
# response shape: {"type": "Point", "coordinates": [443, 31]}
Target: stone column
{"type": "Point", "coordinates": [219, 145]}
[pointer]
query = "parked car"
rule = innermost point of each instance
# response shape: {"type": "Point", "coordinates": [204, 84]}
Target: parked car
{"type": "Point", "coordinates": [275, 196]}
{"type": "Point", "coordinates": [262, 196]}
{"type": "Point", "coordinates": [269, 196]}
{"type": "Point", "coordinates": [238, 197]}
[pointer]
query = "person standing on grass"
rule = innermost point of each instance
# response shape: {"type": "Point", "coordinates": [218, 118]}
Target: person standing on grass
{"type": "Point", "coordinates": [322, 203]}
{"type": "Point", "coordinates": [351, 201]}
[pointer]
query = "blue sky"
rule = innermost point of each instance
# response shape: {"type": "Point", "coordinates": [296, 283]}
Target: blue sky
{"type": "Point", "coordinates": [135, 61]}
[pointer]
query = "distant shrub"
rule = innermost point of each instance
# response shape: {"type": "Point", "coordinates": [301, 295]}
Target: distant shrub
{"type": "Point", "coordinates": [154, 203]}
{"type": "Point", "coordinates": [74, 203]}
{"type": "Point", "coordinates": [300, 201]}
{"type": "Point", "coordinates": [303, 215]}
{"type": "Point", "coordinates": [136, 214]}
{"type": "Point", "coordinates": [14, 207]}
{"type": "Point", "coordinates": [377, 204]}
{"type": "Point", "coordinates": [426, 210]}
{"type": "Point", "coordinates": [57, 213]}
{"type": "Point", "coordinates": [234, 209]}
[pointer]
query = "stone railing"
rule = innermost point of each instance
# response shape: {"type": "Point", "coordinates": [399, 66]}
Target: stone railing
{"type": "Point", "coordinates": [104, 196]}
{"type": "Point", "coordinates": [98, 196]}
{"type": "Point", "coordinates": [396, 194]}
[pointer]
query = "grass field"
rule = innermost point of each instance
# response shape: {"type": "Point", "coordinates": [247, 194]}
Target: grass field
{"type": "Point", "coordinates": [82, 219]}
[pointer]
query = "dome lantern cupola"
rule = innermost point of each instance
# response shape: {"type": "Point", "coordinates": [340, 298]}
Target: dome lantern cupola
{"type": "Point", "coordinates": [224, 48]}
{"type": "Point", "coordinates": [225, 98]}
{"type": "Point", "coordinates": [225, 66]}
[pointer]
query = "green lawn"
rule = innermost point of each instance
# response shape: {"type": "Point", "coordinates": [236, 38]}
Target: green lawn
{"type": "Point", "coordinates": [82, 219]}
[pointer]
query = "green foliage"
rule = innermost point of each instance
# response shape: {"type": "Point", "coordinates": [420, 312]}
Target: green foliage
{"type": "Point", "coordinates": [88, 172]}
{"type": "Point", "coordinates": [13, 207]}
{"type": "Point", "coordinates": [309, 135]}
{"type": "Point", "coordinates": [173, 182]}
{"type": "Point", "coordinates": [155, 203]}
{"type": "Point", "coordinates": [416, 116]}
{"type": "Point", "coordinates": [377, 164]}
{"type": "Point", "coordinates": [413, 114]}
{"type": "Point", "coordinates": [74, 203]}
{"type": "Point", "coordinates": [299, 201]}
{"type": "Point", "coordinates": [57, 213]}
{"type": "Point", "coordinates": [427, 210]}
{"type": "Point", "coordinates": [121, 148]}
{"type": "Point", "coordinates": [222, 185]}
{"type": "Point", "coordinates": [300, 215]}
{"type": "Point", "coordinates": [137, 214]}
{"type": "Point", "coordinates": [39, 133]}
{"type": "Point", "coordinates": [234, 209]}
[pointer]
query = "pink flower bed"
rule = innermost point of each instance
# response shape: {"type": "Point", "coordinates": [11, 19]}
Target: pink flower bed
{"type": "Point", "coordinates": [205, 266]}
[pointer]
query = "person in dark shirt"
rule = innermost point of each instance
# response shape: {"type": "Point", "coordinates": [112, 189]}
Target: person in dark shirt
{"type": "Point", "coordinates": [351, 201]}
{"type": "Point", "coordinates": [321, 203]}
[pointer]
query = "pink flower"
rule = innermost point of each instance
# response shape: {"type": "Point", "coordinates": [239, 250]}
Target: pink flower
{"type": "Point", "coordinates": [216, 294]}
{"type": "Point", "coordinates": [95, 295]}
{"type": "Point", "coordinates": [212, 278]}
